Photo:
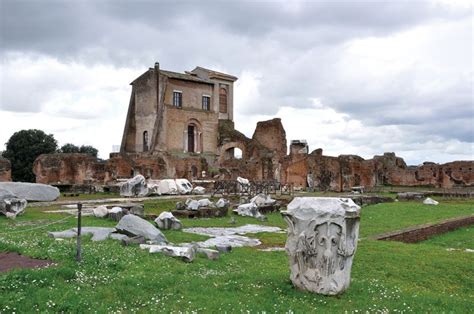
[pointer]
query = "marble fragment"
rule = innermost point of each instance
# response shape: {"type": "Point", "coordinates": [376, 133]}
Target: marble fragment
{"type": "Point", "coordinates": [321, 243]}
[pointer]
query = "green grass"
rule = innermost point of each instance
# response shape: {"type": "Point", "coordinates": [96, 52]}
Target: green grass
{"type": "Point", "coordinates": [386, 276]}
{"type": "Point", "coordinates": [462, 238]}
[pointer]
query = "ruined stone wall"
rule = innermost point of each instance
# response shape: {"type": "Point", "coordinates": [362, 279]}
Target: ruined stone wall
{"type": "Point", "coordinates": [271, 135]}
{"type": "Point", "coordinates": [68, 169]}
{"type": "Point", "coordinates": [5, 170]}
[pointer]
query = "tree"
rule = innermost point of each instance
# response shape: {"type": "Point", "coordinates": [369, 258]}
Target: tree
{"type": "Point", "coordinates": [23, 148]}
{"type": "Point", "coordinates": [87, 149]}
{"type": "Point", "coordinates": [69, 148]}
{"type": "Point", "coordinates": [84, 149]}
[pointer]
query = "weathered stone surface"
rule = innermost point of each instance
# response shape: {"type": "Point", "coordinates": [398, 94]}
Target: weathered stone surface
{"type": "Point", "coordinates": [262, 200]}
{"type": "Point", "coordinates": [126, 241]}
{"type": "Point", "coordinates": [167, 221]}
{"type": "Point", "coordinates": [31, 191]}
{"type": "Point", "coordinates": [230, 240]}
{"type": "Point", "coordinates": [5, 170]}
{"type": "Point", "coordinates": [101, 211]}
{"type": "Point", "coordinates": [199, 190]}
{"type": "Point", "coordinates": [98, 233]}
{"type": "Point", "coordinates": [210, 254]}
{"type": "Point", "coordinates": [222, 202]}
{"type": "Point", "coordinates": [250, 209]}
{"type": "Point", "coordinates": [224, 237]}
{"type": "Point", "coordinates": [186, 253]}
{"type": "Point", "coordinates": [205, 202]}
{"type": "Point", "coordinates": [184, 186]}
{"type": "Point", "coordinates": [116, 213]}
{"type": "Point", "coordinates": [10, 205]}
{"type": "Point", "coordinates": [408, 196]}
{"type": "Point", "coordinates": [135, 187]}
{"type": "Point", "coordinates": [430, 201]}
{"type": "Point", "coordinates": [192, 204]}
{"type": "Point", "coordinates": [322, 240]}
{"type": "Point", "coordinates": [138, 210]}
{"type": "Point", "coordinates": [135, 226]}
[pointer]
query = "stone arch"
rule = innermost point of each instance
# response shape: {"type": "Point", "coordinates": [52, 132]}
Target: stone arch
{"type": "Point", "coordinates": [145, 141]}
{"type": "Point", "coordinates": [228, 146]}
{"type": "Point", "coordinates": [192, 136]}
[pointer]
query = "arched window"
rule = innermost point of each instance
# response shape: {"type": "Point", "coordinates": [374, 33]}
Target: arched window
{"type": "Point", "coordinates": [222, 100]}
{"type": "Point", "coordinates": [145, 141]}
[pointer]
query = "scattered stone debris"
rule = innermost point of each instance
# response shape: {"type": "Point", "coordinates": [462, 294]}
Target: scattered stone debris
{"type": "Point", "coordinates": [135, 187]}
{"type": "Point", "coordinates": [132, 225]}
{"type": "Point", "coordinates": [430, 201]}
{"type": "Point", "coordinates": [273, 249]}
{"type": "Point", "coordinates": [98, 233]}
{"type": "Point", "coordinates": [409, 196]}
{"type": "Point", "coordinates": [184, 186]}
{"type": "Point", "coordinates": [257, 203]}
{"type": "Point", "coordinates": [199, 190]}
{"type": "Point", "coordinates": [10, 205]}
{"type": "Point", "coordinates": [31, 191]}
{"type": "Point", "coordinates": [187, 253]}
{"type": "Point", "coordinates": [101, 211]}
{"type": "Point", "coordinates": [224, 237]}
{"type": "Point", "coordinates": [322, 240]}
{"type": "Point", "coordinates": [126, 241]}
{"type": "Point", "coordinates": [117, 213]}
{"type": "Point", "coordinates": [364, 200]}
{"type": "Point", "coordinates": [167, 221]}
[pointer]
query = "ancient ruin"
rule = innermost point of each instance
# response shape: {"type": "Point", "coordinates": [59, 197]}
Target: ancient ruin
{"type": "Point", "coordinates": [322, 240]}
{"type": "Point", "coordinates": [180, 125]}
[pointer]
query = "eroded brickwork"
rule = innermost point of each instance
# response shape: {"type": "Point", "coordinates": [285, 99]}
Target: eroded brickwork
{"type": "Point", "coordinates": [5, 170]}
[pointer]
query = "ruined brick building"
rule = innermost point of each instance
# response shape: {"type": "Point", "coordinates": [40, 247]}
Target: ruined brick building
{"type": "Point", "coordinates": [181, 125]}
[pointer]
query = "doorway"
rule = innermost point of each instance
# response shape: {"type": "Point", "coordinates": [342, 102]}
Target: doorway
{"type": "Point", "coordinates": [191, 138]}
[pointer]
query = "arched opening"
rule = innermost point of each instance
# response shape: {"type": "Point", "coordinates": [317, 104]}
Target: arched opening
{"type": "Point", "coordinates": [222, 100]}
{"type": "Point", "coordinates": [192, 137]}
{"type": "Point", "coordinates": [233, 153]}
{"type": "Point", "coordinates": [194, 171]}
{"type": "Point", "coordinates": [145, 141]}
{"type": "Point", "coordinates": [191, 145]}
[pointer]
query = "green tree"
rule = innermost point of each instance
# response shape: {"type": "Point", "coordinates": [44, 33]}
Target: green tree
{"type": "Point", "coordinates": [69, 148]}
{"type": "Point", "coordinates": [84, 149]}
{"type": "Point", "coordinates": [23, 148]}
{"type": "Point", "coordinates": [87, 149]}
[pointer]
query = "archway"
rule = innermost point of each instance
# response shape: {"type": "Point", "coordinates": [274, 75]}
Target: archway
{"type": "Point", "coordinates": [232, 150]}
{"type": "Point", "coordinates": [192, 137]}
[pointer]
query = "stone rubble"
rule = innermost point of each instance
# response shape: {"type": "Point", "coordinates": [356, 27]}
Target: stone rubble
{"type": "Point", "coordinates": [10, 205]}
{"type": "Point", "coordinates": [167, 221]}
{"type": "Point", "coordinates": [430, 201]}
{"type": "Point", "coordinates": [233, 237]}
{"type": "Point", "coordinates": [101, 211]}
{"type": "Point", "coordinates": [132, 225]}
{"type": "Point", "coordinates": [31, 191]}
{"type": "Point", "coordinates": [186, 253]}
{"type": "Point", "coordinates": [199, 190]}
{"type": "Point", "coordinates": [135, 187]}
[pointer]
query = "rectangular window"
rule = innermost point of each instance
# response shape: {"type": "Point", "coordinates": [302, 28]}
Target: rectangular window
{"type": "Point", "coordinates": [206, 103]}
{"type": "Point", "coordinates": [177, 99]}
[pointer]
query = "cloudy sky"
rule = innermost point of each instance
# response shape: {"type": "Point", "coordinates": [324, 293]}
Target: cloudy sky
{"type": "Point", "coordinates": [351, 77]}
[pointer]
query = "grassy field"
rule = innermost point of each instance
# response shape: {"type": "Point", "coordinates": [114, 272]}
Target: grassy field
{"type": "Point", "coordinates": [386, 276]}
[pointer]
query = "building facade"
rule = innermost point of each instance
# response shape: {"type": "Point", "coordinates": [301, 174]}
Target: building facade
{"type": "Point", "coordinates": [177, 112]}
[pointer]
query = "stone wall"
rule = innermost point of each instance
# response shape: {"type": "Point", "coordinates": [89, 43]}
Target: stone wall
{"type": "Point", "coordinates": [264, 158]}
{"type": "Point", "coordinates": [424, 232]}
{"type": "Point", "coordinates": [5, 170]}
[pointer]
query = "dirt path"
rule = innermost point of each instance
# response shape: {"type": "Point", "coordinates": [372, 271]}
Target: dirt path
{"type": "Point", "coordinates": [11, 260]}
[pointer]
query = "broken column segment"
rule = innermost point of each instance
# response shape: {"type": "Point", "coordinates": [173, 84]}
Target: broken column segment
{"type": "Point", "coordinates": [322, 240]}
